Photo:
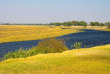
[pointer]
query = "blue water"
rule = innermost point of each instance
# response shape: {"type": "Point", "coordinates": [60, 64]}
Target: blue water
{"type": "Point", "coordinates": [88, 37]}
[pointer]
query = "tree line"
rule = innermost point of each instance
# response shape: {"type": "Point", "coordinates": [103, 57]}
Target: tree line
{"type": "Point", "coordinates": [81, 23]}
{"type": "Point", "coordinates": [70, 23]}
{"type": "Point", "coordinates": [100, 24]}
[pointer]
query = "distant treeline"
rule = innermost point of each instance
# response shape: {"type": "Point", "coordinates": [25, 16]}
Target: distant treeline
{"type": "Point", "coordinates": [81, 23]}
{"type": "Point", "coordinates": [70, 23]}
{"type": "Point", "coordinates": [22, 24]}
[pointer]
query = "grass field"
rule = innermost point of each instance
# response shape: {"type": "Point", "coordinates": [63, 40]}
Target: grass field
{"type": "Point", "coordinates": [94, 60]}
{"type": "Point", "coordinates": [12, 33]}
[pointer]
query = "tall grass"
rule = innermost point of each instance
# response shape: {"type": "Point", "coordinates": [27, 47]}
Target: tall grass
{"type": "Point", "coordinates": [52, 45]}
{"type": "Point", "coordinates": [21, 53]}
{"type": "Point", "coordinates": [77, 45]}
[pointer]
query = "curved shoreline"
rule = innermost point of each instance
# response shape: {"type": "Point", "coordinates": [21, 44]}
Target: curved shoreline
{"type": "Point", "coordinates": [89, 37]}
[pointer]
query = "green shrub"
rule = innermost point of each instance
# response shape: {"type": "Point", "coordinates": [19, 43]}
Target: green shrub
{"type": "Point", "coordinates": [77, 45]}
{"type": "Point", "coordinates": [85, 46]}
{"type": "Point", "coordinates": [52, 45]}
{"type": "Point", "coordinates": [17, 54]}
{"type": "Point", "coordinates": [8, 55]}
{"type": "Point", "coordinates": [32, 51]}
{"type": "Point", "coordinates": [21, 53]}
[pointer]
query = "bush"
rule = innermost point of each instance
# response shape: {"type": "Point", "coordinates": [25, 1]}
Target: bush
{"type": "Point", "coordinates": [32, 51]}
{"type": "Point", "coordinates": [77, 45]}
{"type": "Point", "coordinates": [52, 45]}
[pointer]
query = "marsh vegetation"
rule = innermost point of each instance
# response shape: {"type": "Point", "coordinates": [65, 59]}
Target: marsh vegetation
{"type": "Point", "coordinates": [52, 45]}
{"type": "Point", "coordinates": [52, 55]}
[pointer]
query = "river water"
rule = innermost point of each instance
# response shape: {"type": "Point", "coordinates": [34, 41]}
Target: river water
{"type": "Point", "coordinates": [88, 38]}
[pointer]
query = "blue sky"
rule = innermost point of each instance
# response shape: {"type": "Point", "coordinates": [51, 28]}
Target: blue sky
{"type": "Point", "coordinates": [46, 11]}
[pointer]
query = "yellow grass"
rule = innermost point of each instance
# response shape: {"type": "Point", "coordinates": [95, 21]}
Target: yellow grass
{"type": "Point", "coordinates": [108, 29]}
{"type": "Point", "coordinates": [12, 33]}
{"type": "Point", "coordinates": [94, 60]}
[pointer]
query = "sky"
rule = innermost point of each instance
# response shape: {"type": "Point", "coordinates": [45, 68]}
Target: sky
{"type": "Point", "coordinates": [47, 11]}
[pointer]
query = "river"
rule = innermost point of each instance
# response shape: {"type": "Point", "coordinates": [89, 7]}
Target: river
{"type": "Point", "coordinates": [88, 38]}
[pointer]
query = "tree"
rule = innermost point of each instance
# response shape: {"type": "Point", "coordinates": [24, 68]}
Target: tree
{"type": "Point", "coordinates": [51, 24]}
{"type": "Point", "coordinates": [67, 23]}
{"type": "Point", "coordinates": [107, 24]}
{"type": "Point", "coordinates": [83, 23]}
{"type": "Point", "coordinates": [7, 24]}
{"type": "Point", "coordinates": [74, 23]}
{"type": "Point", "coordinates": [96, 23]}
{"type": "Point", "coordinates": [92, 24]}
{"type": "Point", "coordinates": [101, 24]}
{"type": "Point", "coordinates": [57, 24]}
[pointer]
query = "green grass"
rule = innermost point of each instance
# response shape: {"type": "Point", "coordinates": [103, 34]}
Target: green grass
{"type": "Point", "coordinates": [94, 60]}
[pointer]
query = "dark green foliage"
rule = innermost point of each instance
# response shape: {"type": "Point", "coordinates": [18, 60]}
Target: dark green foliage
{"type": "Point", "coordinates": [67, 23]}
{"type": "Point", "coordinates": [97, 23]}
{"type": "Point", "coordinates": [74, 23]}
{"type": "Point", "coordinates": [70, 23]}
{"type": "Point", "coordinates": [83, 23]}
{"type": "Point", "coordinates": [57, 24]}
{"type": "Point", "coordinates": [101, 24]}
{"type": "Point", "coordinates": [107, 24]}
{"type": "Point", "coordinates": [92, 24]}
